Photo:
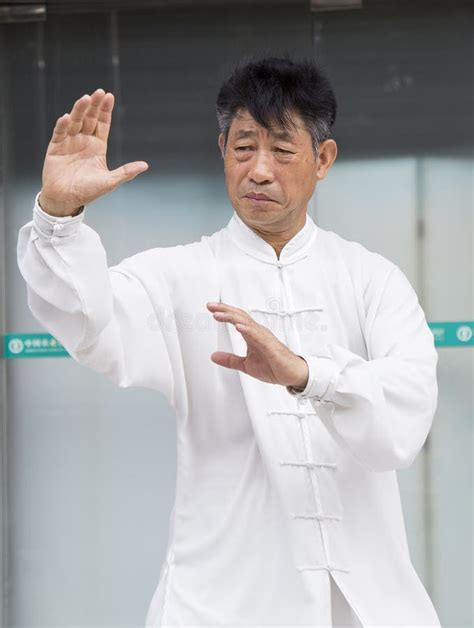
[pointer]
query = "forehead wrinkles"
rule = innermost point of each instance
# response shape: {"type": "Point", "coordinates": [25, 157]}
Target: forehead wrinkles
{"type": "Point", "coordinates": [245, 126]}
{"type": "Point", "coordinates": [244, 133]}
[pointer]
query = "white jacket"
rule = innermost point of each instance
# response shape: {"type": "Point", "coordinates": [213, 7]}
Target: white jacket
{"type": "Point", "coordinates": [276, 493]}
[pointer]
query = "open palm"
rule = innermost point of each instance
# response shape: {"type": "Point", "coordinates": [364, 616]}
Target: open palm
{"type": "Point", "coordinates": [75, 168]}
{"type": "Point", "coordinates": [267, 358]}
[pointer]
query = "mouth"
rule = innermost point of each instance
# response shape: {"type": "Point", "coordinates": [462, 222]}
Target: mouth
{"type": "Point", "coordinates": [253, 196]}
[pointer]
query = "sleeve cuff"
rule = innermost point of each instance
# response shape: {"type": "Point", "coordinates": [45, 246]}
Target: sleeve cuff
{"type": "Point", "coordinates": [48, 225]}
{"type": "Point", "coordinates": [321, 378]}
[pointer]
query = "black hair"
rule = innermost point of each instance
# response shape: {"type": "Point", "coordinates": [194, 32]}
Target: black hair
{"type": "Point", "coordinates": [272, 88]}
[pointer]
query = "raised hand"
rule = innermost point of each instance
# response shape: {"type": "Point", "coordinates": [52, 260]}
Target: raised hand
{"type": "Point", "coordinates": [267, 358]}
{"type": "Point", "coordinates": [75, 168]}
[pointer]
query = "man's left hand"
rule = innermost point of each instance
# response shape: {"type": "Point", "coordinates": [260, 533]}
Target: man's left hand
{"type": "Point", "coordinates": [267, 358]}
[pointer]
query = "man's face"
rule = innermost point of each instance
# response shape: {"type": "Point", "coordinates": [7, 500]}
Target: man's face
{"type": "Point", "coordinates": [277, 164]}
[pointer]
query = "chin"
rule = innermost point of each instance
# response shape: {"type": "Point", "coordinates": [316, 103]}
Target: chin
{"type": "Point", "coordinates": [259, 214]}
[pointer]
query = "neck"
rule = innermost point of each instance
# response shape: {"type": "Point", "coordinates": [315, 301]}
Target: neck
{"type": "Point", "coordinates": [277, 235]}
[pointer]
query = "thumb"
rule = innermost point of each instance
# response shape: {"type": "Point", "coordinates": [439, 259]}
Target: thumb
{"type": "Point", "coordinates": [127, 172]}
{"type": "Point", "coordinates": [229, 360]}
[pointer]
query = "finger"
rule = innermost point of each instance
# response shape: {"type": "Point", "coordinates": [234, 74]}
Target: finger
{"type": "Point", "coordinates": [61, 128]}
{"type": "Point", "coordinates": [254, 336]}
{"type": "Point", "coordinates": [231, 317]}
{"type": "Point", "coordinates": [127, 172]}
{"type": "Point", "coordinates": [77, 114]}
{"type": "Point", "coordinates": [224, 307]}
{"type": "Point", "coordinates": [229, 360]}
{"type": "Point", "coordinates": [104, 118]}
{"type": "Point", "coordinates": [92, 114]}
{"type": "Point", "coordinates": [236, 313]}
{"type": "Point", "coordinates": [213, 304]}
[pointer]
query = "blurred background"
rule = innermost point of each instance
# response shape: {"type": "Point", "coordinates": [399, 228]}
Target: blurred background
{"type": "Point", "coordinates": [88, 470]}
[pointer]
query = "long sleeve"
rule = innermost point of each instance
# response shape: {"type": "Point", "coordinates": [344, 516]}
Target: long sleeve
{"type": "Point", "coordinates": [103, 316]}
{"type": "Point", "coordinates": [380, 409]}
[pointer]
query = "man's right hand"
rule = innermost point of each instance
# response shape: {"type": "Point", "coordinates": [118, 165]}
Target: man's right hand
{"type": "Point", "coordinates": [75, 167]}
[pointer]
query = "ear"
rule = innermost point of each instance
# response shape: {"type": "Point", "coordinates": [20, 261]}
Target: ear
{"type": "Point", "coordinates": [221, 142]}
{"type": "Point", "coordinates": [326, 156]}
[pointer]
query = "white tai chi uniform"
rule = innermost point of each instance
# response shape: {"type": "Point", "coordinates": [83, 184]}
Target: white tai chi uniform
{"type": "Point", "coordinates": [279, 496]}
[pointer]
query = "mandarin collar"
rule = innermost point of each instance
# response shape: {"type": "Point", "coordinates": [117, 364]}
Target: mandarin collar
{"type": "Point", "coordinates": [252, 244]}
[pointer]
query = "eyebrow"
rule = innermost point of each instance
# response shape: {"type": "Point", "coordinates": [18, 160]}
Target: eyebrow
{"type": "Point", "coordinates": [279, 135]}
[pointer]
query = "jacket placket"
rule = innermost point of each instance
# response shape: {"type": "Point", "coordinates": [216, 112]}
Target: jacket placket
{"type": "Point", "coordinates": [308, 465]}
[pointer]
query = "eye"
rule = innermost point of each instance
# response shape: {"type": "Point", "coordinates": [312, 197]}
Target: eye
{"type": "Point", "coordinates": [242, 148]}
{"type": "Point", "coordinates": [282, 150]}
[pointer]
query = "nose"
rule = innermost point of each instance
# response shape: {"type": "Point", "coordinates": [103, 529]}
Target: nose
{"type": "Point", "coordinates": [261, 168]}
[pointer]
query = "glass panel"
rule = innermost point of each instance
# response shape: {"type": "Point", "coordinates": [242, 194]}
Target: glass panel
{"type": "Point", "coordinates": [91, 468]}
{"type": "Point", "coordinates": [402, 186]}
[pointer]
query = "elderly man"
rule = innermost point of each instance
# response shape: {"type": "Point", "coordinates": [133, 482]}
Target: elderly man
{"type": "Point", "coordinates": [311, 381]}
